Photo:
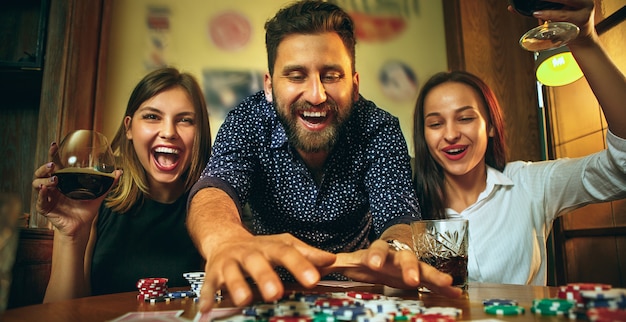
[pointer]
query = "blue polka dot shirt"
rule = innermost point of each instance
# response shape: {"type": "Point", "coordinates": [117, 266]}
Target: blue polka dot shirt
{"type": "Point", "coordinates": [365, 187]}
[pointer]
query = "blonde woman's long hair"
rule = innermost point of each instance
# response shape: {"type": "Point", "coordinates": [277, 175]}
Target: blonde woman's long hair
{"type": "Point", "coordinates": [133, 185]}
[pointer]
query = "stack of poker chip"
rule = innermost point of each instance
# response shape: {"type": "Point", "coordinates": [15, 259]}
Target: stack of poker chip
{"type": "Point", "coordinates": [502, 307]}
{"type": "Point", "coordinates": [152, 288]}
{"type": "Point", "coordinates": [593, 301]}
{"type": "Point", "coordinates": [195, 279]}
{"type": "Point", "coordinates": [552, 306]}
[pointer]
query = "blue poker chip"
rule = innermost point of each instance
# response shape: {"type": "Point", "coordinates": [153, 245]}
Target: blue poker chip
{"type": "Point", "coordinates": [157, 299]}
{"type": "Point", "coordinates": [349, 312]}
{"type": "Point", "coordinates": [181, 294]}
{"type": "Point", "coordinates": [499, 302]}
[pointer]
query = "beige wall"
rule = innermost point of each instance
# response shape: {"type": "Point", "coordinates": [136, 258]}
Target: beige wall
{"type": "Point", "coordinates": [421, 46]}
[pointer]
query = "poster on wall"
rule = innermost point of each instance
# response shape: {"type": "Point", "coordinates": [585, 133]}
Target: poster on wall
{"type": "Point", "coordinates": [224, 89]}
{"type": "Point", "coordinates": [381, 22]}
{"type": "Point", "coordinates": [158, 24]}
{"type": "Point", "coordinates": [230, 30]}
{"type": "Point", "coordinates": [398, 81]}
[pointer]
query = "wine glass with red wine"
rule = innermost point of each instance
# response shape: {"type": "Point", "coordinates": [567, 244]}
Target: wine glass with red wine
{"type": "Point", "coordinates": [85, 165]}
{"type": "Point", "coordinates": [550, 34]}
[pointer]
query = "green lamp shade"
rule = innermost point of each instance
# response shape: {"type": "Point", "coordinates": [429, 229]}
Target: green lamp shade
{"type": "Point", "coordinates": [557, 67]}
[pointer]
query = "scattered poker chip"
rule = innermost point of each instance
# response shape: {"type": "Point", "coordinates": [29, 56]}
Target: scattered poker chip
{"type": "Point", "coordinates": [499, 302]}
{"type": "Point", "coordinates": [363, 295]}
{"type": "Point", "coordinates": [333, 302]}
{"type": "Point", "coordinates": [449, 311]}
{"type": "Point", "coordinates": [432, 318]}
{"type": "Point", "coordinates": [349, 312]}
{"type": "Point", "coordinates": [236, 318]}
{"type": "Point", "coordinates": [504, 309]}
{"type": "Point", "coordinates": [381, 306]}
{"type": "Point", "coordinates": [290, 319]}
{"type": "Point", "coordinates": [411, 306]}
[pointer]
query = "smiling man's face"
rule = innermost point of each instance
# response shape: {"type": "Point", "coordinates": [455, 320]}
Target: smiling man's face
{"type": "Point", "coordinates": [313, 89]}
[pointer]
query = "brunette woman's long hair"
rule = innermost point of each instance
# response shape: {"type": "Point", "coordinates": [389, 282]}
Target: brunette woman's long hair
{"type": "Point", "coordinates": [133, 184]}
{"type": "Point", "coordinates": [428, 174]}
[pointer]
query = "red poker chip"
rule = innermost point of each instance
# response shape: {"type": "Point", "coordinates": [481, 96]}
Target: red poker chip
{"type": "Point", "coordinates": [604, 314]}
{"type": "Point", "coordinates": [363, 295]}
{"type": "Point", "coordinates": [152, 287]}
{"type": "Point", "coordinates": [586, 287]}
{"type": "Point", "coordinates": [152, 280]}
{"type": "Point", "coordinates": [333, 302]}
{"type": "Point", "coordinates": [290, 319]}
{"type": "Point", "coordinates": [434, 317]}
{"type": "Point", "coordinates": [575, 296]}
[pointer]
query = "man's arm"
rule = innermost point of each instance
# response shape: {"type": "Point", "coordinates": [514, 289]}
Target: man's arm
{"type": "Point", "coordinates": [213, 217]}
{"type": "Point", "coordinates": [232, 253]}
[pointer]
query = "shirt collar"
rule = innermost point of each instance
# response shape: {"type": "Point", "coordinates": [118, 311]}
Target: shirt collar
{"type": "Point", "coordinates": [495, 177]}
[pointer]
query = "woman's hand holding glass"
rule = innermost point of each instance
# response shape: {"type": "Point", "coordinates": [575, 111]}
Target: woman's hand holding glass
{"type": "Point", "coordinates": [68, 205]}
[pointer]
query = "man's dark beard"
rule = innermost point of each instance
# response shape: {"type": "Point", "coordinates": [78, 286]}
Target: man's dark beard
{"type": "Point", "coordinates": [325, 140]}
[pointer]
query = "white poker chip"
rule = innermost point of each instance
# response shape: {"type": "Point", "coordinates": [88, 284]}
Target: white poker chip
{"type": "Point", "coordinates": [412, 306]}
{"type": "Point", "coordinates": [613, 293]}
{"type": "Point", "coordinates": [381, 306]}
{"type": "Point", "coordinates": [449, 311]}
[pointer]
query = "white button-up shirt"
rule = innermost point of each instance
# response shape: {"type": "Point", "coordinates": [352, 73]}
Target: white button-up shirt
{"type": "Point", "coordinates": [511, 220]}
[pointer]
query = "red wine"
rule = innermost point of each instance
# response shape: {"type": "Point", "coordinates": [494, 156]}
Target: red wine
{"type": "Point", "coordinates": [83, 183]}
{"type": "Point", "coordinates": [527, 7]}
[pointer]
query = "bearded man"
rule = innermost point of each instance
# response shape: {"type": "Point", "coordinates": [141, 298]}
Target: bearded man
{"type": "Point", "coordinates": [326, 174]}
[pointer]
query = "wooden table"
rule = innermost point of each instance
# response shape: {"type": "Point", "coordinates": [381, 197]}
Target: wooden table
{"type": "Point", "coordinates": [108, 307]}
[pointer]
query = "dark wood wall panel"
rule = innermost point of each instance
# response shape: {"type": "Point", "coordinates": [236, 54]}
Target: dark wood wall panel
{"type": "Point", "coordinates": [18, 136]}
{"type": "Point", "coordinates": [70, 76]}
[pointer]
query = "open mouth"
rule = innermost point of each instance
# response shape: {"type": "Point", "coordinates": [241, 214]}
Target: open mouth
{"type": "Point", "coordinates": [455, 151]}
{"type": "Point", "coordinates": [166, 158]}
{"type": "Point", "coordinates": [314, 117]}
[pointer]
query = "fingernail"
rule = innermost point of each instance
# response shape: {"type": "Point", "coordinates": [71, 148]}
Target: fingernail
{"type": "Point", "coordinates": [376, 260]}
{"type": "Point", "coordinates": [240, 295]}
{"type": "Point", "coordinates": [414, 276]}
{"type": "Point", "coordinates": [40, 185]}
{"type": "Point", "coordinates": [49, 165]}
{"type": "Point", "coordinates": [53, 179]}
{"type": "Point", "coordinates": [310, 277]}
{"type": "Point", "coordinates": [270, 289]}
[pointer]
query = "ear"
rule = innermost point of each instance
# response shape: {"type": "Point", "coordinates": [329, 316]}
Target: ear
{"type": "Point", "coordinates": [129, 134]}
{"type": "Point", "coordinates": [267, 87]}
{"type": "Point", "coordinates": [355, 89]}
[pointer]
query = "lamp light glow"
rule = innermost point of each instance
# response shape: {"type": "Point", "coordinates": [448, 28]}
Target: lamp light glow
{"type": "Point", "coordinates": [557, 67]}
